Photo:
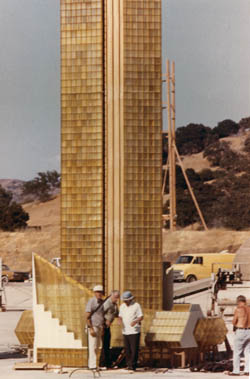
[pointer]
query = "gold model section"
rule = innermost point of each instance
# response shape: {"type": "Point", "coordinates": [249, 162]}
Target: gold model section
{"type": "Point", "coordinates": [210, 331]}
{"type": "Point", "coordinates": [25, 329]}
{"type": "Point", "coordinates": [133, 169]}
{"type": "Point", "coordinates": [111, 145]}
{"type": "Point", "coordinates": [175, 328]}
{"type": "Point", "coordinates": [82, 140]}
{"type": "Point", "coordinates": [142, 151]}
{"type": "Point", "coordinates": [59, 316]}
{"type": "Point", "coordinates": [65, 298]}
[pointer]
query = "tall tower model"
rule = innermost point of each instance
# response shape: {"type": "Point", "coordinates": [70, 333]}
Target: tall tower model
{"type": "Point", "coordinates": [111, 207]}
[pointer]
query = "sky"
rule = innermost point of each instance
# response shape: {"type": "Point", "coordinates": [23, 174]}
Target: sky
{"type": "Point", "coordinates": [208, 40]}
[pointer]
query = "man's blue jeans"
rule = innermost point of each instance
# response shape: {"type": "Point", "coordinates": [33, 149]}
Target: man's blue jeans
{"type": "Point", "coordinates": [241, 344]}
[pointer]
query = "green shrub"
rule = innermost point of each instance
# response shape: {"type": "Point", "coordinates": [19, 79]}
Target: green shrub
{"type": "Point", "coordinates": [206, 174]}
{"type": "Point", "coordinates": [12, 215]}
{"type": "Point", "coordinates": [226, 128]}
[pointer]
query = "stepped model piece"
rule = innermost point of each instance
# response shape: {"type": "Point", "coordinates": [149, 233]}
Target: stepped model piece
{"type": "Point", "coordinates": [111, 129]}
{"type": "Point", "coordinates": [59, 316]}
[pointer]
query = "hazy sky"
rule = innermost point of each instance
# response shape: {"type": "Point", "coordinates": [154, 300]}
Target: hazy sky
{"type": "Point", "coordinates": [208, 39]}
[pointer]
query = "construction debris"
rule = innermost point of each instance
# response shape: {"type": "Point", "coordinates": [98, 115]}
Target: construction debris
{"type": "Point", "coordinates": [225, 365]}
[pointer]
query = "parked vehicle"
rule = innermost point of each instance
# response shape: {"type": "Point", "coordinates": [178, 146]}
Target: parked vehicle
{"type": "Point", "coordinates": [191, 267]}
{"type": "Point", "coordinates": [9, 275]}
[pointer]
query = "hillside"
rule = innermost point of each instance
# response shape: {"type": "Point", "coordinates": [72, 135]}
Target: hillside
{"type": "Point", "coordinates": [219, 173]}
{"type": "Point", "coordinates": [16, 248]}
{"type": "Point", "coordinates": [198, 162]}
{"type": "Point", "coordinates": [15, 187]}
{"type": "Point", "coordinates": [212, 241]}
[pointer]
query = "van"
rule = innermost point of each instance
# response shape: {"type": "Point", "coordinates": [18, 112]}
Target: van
{"type": "Point", "coordinates": [191, 267]}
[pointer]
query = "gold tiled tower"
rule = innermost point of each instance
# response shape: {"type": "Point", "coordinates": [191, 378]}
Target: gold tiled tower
{"type": "Point", "coordinates": [111, 145]}
{"type": "Point", "coordinates": [82, 140]}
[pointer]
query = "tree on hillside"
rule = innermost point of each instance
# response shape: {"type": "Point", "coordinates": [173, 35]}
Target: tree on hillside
{"type": "Point", "coordinates": [12, 215]}
{"type": "Point", "coordinates": [207, 196]}
{"type": "Point", "coordinates": [206, 175]}
{"type": "Point", "coordinates": [244, 124]}
{"type": "Point", "coordinates": [220, 154]}
{"type": "Point", "coordinates": [43, 185]}
{"type": "Point", "coordinates": [224, 202]}
{"type": "Point", "coordinates": [192, 139]}
{"type": "Point", "coordinates": [226, 128]}
{"type": "Point", "coordinates": [223, 193]}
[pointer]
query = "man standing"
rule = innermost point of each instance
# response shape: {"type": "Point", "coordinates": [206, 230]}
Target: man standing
{"type": "Point", "coordinates": [131, 316]}
{"type": "Point", "coordinates": [95, 323]}
{"type": "Point", "coordinates": [241, 323]}
{"type": "Point", "coordinates": [110, 309]}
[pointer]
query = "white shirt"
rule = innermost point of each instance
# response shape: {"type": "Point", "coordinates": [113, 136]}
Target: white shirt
{"type": "Point", "coordinates": [129, 314]}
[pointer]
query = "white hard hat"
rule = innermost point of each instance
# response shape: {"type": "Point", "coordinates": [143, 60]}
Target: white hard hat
{"type": "Point", "coordinates": [98, 288]}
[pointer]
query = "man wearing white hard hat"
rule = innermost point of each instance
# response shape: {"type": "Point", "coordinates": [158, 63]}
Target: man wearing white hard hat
{"type": "Point", "coordinates": [131, 316]}
{"type": "Point", "coordinates": [95, 322]}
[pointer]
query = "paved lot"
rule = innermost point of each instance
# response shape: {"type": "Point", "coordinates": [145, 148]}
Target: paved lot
{"type": "Point", "coordinates": [19, 297]}
{"type": "Point", "coordinates": [6, 369]}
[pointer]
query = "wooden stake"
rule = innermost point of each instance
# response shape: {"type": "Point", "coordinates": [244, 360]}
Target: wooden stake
{"type": "Point", "coordinates": [170, 152]}
{"type": "Point", "coordinates": [172, 147]}
{"type": "Point", "coordinates": [165, 178]}
{"type": "Point", "coordinates": [191, 190]}
{"type": "Point", "coordinates": [173, 152]}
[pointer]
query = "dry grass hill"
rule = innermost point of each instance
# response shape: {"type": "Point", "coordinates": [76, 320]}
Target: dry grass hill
{"type": "Point", "coordinates": [212, 241]}
{"type": "Point", "coordinates": [16, 248]}
{"type": "Point", "coordinates": [198, 163]}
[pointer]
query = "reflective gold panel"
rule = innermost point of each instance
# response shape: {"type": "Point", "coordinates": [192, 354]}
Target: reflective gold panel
{"type": "Point", "coordinates": [210, 332]}
{"type": "Point", "coordinates": [62, 297]}
{"type": "Point", "coordinates": [175, 329]}
{"type": "Point", "coordinates": [25, 329]}
{"type": "Point", "coordinates": [82, 140]}
{"type": "Point", "coordinates": [64, 357]}
{"type": "Point", "coordinates": [111, 145]}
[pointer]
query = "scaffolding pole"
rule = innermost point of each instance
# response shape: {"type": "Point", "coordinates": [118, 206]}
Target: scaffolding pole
{"type": "Point", "coordinates": [170, 89]}
{"type": "Point", "coordinates": [173, 152]}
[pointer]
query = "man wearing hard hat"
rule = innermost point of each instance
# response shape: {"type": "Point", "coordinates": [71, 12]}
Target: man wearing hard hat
{"type": "Point", "coordinates": [100, 315]}
{"type": "Point", "coordinates": [95, 322]}
{"type": "Point", "coordinates": [130, 316]}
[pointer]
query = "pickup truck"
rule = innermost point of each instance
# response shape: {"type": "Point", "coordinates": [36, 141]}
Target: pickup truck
{"type": "Point", "coordinates": [9, 275]}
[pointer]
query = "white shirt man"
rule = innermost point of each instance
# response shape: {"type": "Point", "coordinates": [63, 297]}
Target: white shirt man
{"type": "Point", "coordinates": [95, 322]}
{"type": "Point", "coordinates": [131, 316]}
